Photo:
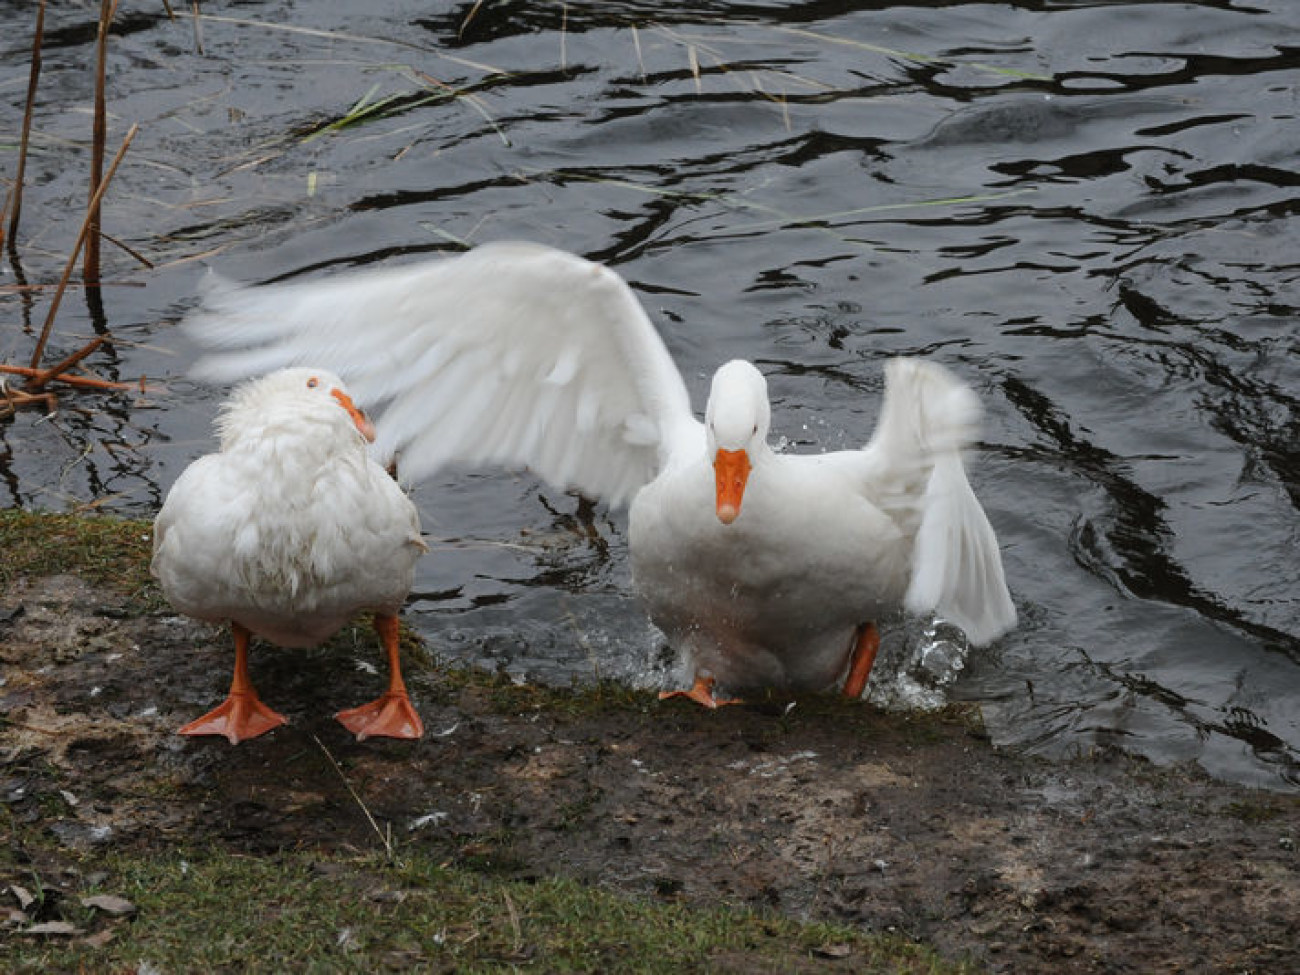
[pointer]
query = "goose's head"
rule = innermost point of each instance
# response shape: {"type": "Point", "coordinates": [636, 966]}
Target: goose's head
{"type": "Point", "coordinates": [299, 388]}
{"type": "Point", "coordinates": [737, 420]}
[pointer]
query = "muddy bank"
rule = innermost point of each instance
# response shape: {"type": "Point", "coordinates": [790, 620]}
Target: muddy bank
{"type": "Point", "coordinates": [813, 809]}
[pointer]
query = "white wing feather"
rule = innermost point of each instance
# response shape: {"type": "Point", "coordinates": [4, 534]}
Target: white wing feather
{"type": "Point", "coordinates": [914, 459]}
{"type": "Point", "coordinates": [510, 354]}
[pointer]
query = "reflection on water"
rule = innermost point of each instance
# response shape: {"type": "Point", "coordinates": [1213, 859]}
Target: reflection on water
{"type": "Point", "coordinates": [1087, 211]}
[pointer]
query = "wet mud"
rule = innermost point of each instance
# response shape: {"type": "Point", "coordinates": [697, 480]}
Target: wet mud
{"type": "Point", "coordinates": [812, 808]}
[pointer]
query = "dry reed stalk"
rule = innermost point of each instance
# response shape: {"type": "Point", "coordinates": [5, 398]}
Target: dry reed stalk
{"type": "Point", "coordinates": [140, 258]}
{"type": "Point", "coordinates": [76, 249]}
{"type": "Point", "coordinates": [99, 134]}
{"type": "Point", "coordinates": [352, 39]}
{"type": "Point", "coordinates": [40, 379]}
{"type": "Point", "coordinates": [515, 927]}
{"type": "Point", "coordinates": [16, 193]}
{"type": "Point", "coordinates": [198, 29]}
{"type": "Point", "coordinates": [564, 38]}
{"type": "Point", "coordinates": [466, 96]}
{"type": "Point", "coordinates": [386, 839]}
{"type": "Point", "coordinates": [11, 399]}
{"type": "Point", "coordinates": [77, 380]}
{"type": "Point", "coordinates": [460, 34]}
{"type": "Point", "coordinates": [18, 289]}
{"type": "Point", "coordinates": [640, 61]}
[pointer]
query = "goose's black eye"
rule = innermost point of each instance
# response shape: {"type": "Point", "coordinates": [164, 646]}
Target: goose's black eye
{"type": "Point", "coordinates": [754, 432]}
{"type": "Point", "coordinates": [313, 382]}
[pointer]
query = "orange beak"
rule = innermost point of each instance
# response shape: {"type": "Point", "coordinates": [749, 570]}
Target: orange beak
{"type": "Point", "coordinates": [731, 468]}
{"type": "Point", "coordinates": [360, 419]}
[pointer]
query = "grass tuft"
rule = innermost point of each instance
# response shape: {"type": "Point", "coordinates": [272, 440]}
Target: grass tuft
{"type": "Point", "coordinates": [212, 910]}
{"type": "Point", "coordinates": [103, 550]}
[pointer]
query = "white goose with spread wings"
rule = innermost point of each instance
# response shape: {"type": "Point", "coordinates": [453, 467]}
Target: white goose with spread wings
{"type": "Point", "coordinates": [765, 568]}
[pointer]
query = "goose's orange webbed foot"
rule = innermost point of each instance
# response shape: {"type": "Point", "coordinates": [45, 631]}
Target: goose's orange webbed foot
{"type": "Point", "coordinates": [392, 715]}
{"type": "Point", "coordinates": [702, 693]}
{"type": "Point", "coordinates": [239, 717]}
{"type": "Point", "coordinates": [242, 714]}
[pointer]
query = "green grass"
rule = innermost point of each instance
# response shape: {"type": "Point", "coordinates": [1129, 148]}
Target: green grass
{"type": "Point", "coordinates": [210, 910]}
{"type": "Point", "coordinates": [103, 550]}
{"type": "Point", "coordinates": [1252, 811]}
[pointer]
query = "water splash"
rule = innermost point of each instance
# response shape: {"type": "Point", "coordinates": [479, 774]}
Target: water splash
{"type": "Point", "coordinates": [918, 675]}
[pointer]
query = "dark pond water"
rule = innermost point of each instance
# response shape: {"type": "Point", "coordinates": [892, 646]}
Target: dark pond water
{"type": "Point", "coordinates": [1086, 209]}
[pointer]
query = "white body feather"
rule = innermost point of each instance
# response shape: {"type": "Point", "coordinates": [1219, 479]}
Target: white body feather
{"type": "Point", "coordinates": [291, 529]}
{"type": "Point", "coordinates": [523, 356]}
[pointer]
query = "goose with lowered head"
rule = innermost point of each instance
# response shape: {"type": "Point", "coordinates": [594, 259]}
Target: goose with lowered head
{"type": "Point", "coordinates": [287, 532]}
{"type": "Point", "coordinates": [763, 568]}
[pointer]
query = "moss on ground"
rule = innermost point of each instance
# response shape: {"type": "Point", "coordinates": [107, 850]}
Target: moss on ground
{"type": "Point", "coordinates": [103, 550]}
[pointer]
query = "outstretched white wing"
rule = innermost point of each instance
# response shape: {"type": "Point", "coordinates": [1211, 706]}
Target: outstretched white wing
{"type": "Point", "coordinates": [511, 354]}
{"type": "Point", "coordinates": [915, 466]}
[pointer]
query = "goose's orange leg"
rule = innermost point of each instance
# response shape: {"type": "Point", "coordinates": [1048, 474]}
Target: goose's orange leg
{"type": "Point", "coordinates": [392, 715]}
{"type": "Point", "coordinates": [863, 659]}
{"type": "Point", "coordinates": [701, 692]}
{"type": "Point", "coordinates": [242, 714]}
